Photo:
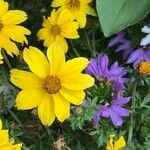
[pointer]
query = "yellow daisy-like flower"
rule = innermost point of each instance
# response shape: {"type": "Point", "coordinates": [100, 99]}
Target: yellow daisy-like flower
{"type": "Point", "coordinates": [10, 31]}
{"type": "Point", "coordinates": [78, 8]}
{"type": "Point", "coordinates": [120, 143]}
{"type": "Point", "coordinates": [5, 142]}
{"type": "Point", "coordinates": [144, 68]}
{"type": "Point", "coordinates": [57, 27]}
{"type": "Point", "coordinates": [52, 85]}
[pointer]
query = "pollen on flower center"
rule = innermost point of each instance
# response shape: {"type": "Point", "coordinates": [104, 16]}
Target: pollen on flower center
{"type": "Point", "coordinates": [74, 4]}
{"type": "Point", "coordinates": [55, 29]}
{"type": "Point", "coordinates": [51, 84]}
{"type": "Point", "coordinates": [1, 26]}
{"type": "Point", "coordinates": [144, 68]}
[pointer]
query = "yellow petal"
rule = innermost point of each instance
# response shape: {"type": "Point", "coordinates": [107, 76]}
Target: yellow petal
{"type": "Point", "coordinates": [77, 81]}
{"type": "Point", "coordinates": [3, 7]}
{"type": "Point", "coordinates": [45, 35]}
{"type": "Point", "coordinates": [56, 58]}
{"type": "Point", "coordinates": [1, 124]}
{"type": "Point", "coordinates": [28, 99]}
{"type": "Point", "coordinates": [24, 79]}
{"type": "Point", "coordinates": [81, 18]}
{"type": "Point", "coordinates": [60, 40]}
{"type": "Point", "coordinates": [54, 17]}
{"type": "Point", "coordinates": [64, 17]}
{"type": "Point", "coordinates": [74, 97]}
{"type": "Point", "coordinates": [71, 67]}
{"type": "Point", "coordinates": [62, 107]}
{"type": "Point", "coordinates": [46, 110]}
{"type": "Point", "coordinates": [120, 143]}
{"type": "Point", "coordinates": [4, 137]}
{"type": "Point", "coordinates": [57, 3]}
{"type": "Point", "coordinates": [110, 143]}
{"type": "Point", "coordinates": [13, 17]}
{"type": "Point", "coordinates": [9, 46]}
{"type": "Point", "coordinates": [16, 33]}
{"type": "Point", "coordinates": [37, 61]}
{"type": "Point", "coordinates": [17, 147]}
{"type": "Point", "coordinates": [69, 30]}
{"type": "Point", "coordinates": [90, 11]}
{"type": "Point", "coordinates": [85, 1]}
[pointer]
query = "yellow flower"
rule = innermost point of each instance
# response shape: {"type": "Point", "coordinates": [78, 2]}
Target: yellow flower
{"type": "Point", "coordinates": [144, 68]}
{"type": "Point", "coordinates": [52, 85]}
{"type": "Point", "coordinates": [78, 8]}
{"type": "Point", "coordinates": [10, 31]}
{"type": "Point", "coordinates": [57, 27]}
{"type": "Point", "coordinates": [120, 143]}
{"type": "Point", "coordinates": [5, 142]}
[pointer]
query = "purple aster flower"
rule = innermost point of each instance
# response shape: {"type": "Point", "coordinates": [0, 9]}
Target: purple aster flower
{"type": "Point", "coordinates": [141, 54]}
{"type": "Point", "coordinates": [115, 74]}
{"type": "Point", "coordinates": [114, 110]}
{"type": "Point", "coordinates": [125, 46]}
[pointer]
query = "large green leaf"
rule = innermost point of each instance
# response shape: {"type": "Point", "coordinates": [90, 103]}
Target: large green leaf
{"type": "Point", "coordinates": [115, 15]}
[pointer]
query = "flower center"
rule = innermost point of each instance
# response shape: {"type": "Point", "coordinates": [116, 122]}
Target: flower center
{"type": "Point", "coordinates": [1, 26]}
{"type": "Point", "coordinates": [55, 29]}
{"type": "Point", "coordinates": [74, 4]}
{"type": "Point", "coordinates": [144, 68]}
{"type": "Point", "coordinates": [51, 84]}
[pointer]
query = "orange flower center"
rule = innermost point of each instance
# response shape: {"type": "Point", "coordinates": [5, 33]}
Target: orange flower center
{"type": "Point", "coordinates": [1, 26]}
{"type": "Point", "coordinates": [74, 4]}
{"type": "Point", "coordinates": [144, 68]}
{"type": "Point", "coordinates": [55, 30]}
{"type": "Point", "coordinates": [51, 84]}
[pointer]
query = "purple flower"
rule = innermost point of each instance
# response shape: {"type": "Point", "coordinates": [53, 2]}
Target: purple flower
{"type": "Point", "coordinates": [114, 110]}
{"type": "Point", "coordinates": [115, 74]}
{"type": "Point", "coordinates": [125, 46]}
{"type": "Point", "coordinates": [141, 54]}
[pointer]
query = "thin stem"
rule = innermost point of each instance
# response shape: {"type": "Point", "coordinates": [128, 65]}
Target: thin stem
{"type": "Point", "coordinates": [74, 49]}
{"type": "Point", "coordinates": [93, 40]}
{"type": "Point", "coordinates": [15, 117]}
{"type": "Point", "coordinates": [6, 59]}
{"type": "Point", "coordinates": [89, 44]}
{"type": "Point", "coordinates": [133, 111]}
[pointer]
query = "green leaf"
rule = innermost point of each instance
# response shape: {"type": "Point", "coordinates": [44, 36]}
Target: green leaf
{"type": "Point", "coordinates": [146, 99]}
{"type": "Point", "coordinates": [116, 15]}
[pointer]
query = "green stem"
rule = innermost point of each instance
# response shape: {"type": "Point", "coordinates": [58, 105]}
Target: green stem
{"type": "Point", "coordinates": [132, 114]}
{"type": "Point", "coordinates": [93, 40]}
{"type": "Point", "coordinates": [48, 131]}
{"type": "Point", "coordinates": [74, 49]}
{"type": "Point", "coordinates": [89, 44]}
{"type": "Point", "coordinates": [15, 117]}
{"type": "Point", "coordinates": [6, 59]}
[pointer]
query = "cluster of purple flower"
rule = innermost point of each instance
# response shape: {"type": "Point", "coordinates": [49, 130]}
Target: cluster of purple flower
{"type": "Point", "coordinates": [115, 76]}
{"type": "Point", "coordinates": [133, 57]}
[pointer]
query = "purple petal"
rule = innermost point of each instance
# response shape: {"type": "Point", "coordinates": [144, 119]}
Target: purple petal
{"type": "Point", "coordinates": [92, 68]}
{"type": "Point", "coordinates": [104, 111]}
{"type": "Point", "coordinates": [116, 39]}
{"type": "Point", "coordinates": [136, 55]}
{"type": "Point", "coordinates": [96, 118]}
{"type": "Point", "coordinates": [120, 111]}
{"type": "Point", "coordinates": [84, 102]}
{"type": "Point", "coordinates": [116, 119]}
{"type": "Point", "coordinates": [121, 101]}
{"type": "Point", "coordinates": [104, 64]}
